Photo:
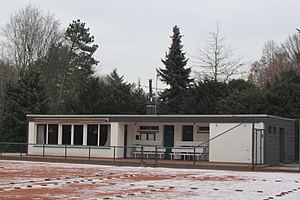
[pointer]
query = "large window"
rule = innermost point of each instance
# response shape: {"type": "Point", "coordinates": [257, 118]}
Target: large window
{"type": "Point", "coordinates": [187, 133]}
{"type": "Point", "coordinates": [52, 133]}
{"type": "Point", "coordinates": [41, 133]}
{"type": "Point", "coordinates": [72, 134]}
{"type": "Point", "coordinates": [66, 134]}
{"type": "Point", "coordinates": [47, 134]}
{"type": "Point", "coordinates": [104, 135]}
{"type": "Point", "coordinates": [78, 134]}
{"type": "Point", "coordinates": [92, 138]}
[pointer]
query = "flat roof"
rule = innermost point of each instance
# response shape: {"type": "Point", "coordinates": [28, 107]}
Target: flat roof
{"type": "Point", "coordinates": [160, 118]}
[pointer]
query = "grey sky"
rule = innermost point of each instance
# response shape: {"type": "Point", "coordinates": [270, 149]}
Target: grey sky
{"type": "Point", "coordinates": [133, 35]}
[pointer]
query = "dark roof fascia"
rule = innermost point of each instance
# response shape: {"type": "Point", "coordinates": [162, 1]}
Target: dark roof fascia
{"type": "Point", "coordinates": [165, 118]}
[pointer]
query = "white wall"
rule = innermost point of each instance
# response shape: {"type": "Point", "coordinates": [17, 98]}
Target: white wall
{"type": "Point", "coordinates": [233, 146]}
{"type": "Point", "coordinates": [117, 138]}
{"type": "Point", "coordinates": [82, 151]}
{"type": "Point", "coordinates": [31, 133]}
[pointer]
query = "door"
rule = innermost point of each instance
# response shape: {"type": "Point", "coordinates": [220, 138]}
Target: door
{"type": "Point", "coordinates": [125, 140]}
{"type": "Point", "coordinates": [187, 133]}
{"type": "Point", "coordinates": [281, 145]}
{"type": "Point", "coordinates": [258, 145]}
{"type": "Point", "coordinates": [168, 139]}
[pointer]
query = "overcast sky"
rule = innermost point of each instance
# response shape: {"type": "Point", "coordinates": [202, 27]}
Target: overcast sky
{"type": "Point", "coordinates": [133, 35]}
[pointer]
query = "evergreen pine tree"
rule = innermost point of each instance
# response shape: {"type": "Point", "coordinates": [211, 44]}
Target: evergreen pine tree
{"type": "Point", "coordinates": [175, 74]}
{"type": "Point", "coordinates": [27, 95]}
{"type": "Point", "coordinates": [81, 62]}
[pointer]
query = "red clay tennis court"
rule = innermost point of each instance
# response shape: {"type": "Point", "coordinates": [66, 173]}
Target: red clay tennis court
{"type": "Point", "coordinates": [42, 180]}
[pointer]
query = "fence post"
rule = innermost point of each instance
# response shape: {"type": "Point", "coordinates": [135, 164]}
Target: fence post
{"type": "Point", "coordinates": [194, 155]}
{"type": "Point", "coordinates": [27, 146]}
{"type": "Point", "coordinates": [21, 145]}
{"type": "Point", "coordinates": [114, 154]}
{"type": "Point", "coordinates": [155, 154]}
{"type": "Point", "coordinates": [89, 152]}
{"type": "Point", "coordinates": [43, 150]}
{"type": "Point", "coordinates": [65, 152]}
{"type": "Point", "coordinates": [253, 153]}
{"type": "Point", "coordinates": [142, 154]}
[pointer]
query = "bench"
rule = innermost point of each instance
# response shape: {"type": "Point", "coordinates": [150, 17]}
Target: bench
{"type": "Point", "coordinates": [148, 150]}
{"type": "Point", "coordinates": [187, 152]}
{"type": "Point", "coordinates": [188, 149]}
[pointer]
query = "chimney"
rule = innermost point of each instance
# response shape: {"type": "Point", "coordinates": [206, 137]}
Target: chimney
{"type": "Point", "coordinates": [150, 108]}
{"type": "Point", "coordinates": [150, 91]}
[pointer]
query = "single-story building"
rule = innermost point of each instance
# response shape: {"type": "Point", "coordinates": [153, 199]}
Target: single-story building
{"type": "Point", "coordinates": [258, 139]}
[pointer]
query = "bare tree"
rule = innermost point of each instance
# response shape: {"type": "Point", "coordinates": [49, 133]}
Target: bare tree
{"type": "Point", "coordinates": [216, 58]}
{"type": "Point", "coordinates": [273, 62]}
{"type": "Point", "coordinates": [292, 49]}
{"type": "Point", "coordinates": [28, 35]}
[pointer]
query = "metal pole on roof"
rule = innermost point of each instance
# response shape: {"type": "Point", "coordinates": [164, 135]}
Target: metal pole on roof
{"type": "Point", "coordinates": [156, 95]}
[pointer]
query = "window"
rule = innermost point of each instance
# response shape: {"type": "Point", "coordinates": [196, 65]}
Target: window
{"type": "Point", "coordinates": [187, 133]}
{"type": "Point", "coordinates": [92, 130]}
{"type": "Point", "coordinates": [66, 134]}
{"type": "Point", "coordinates": [274, 130]}
{"type": "Point", "coordinates": [78, 134]}
{"type": "Point", "coordinates": [52, 133]}
{"type": "Point", "coordinates": [269, 129]}
{"type": "Point", "coordinates": [203, 129]}
{"type": "Point", "coordinates": [149, 128]}
{"type": "Point", "coordinates": [104, 135]}
{"type": "Point", "coordinates": [47, 134]}
{"type": "Point", "coordinates": [41, 134]}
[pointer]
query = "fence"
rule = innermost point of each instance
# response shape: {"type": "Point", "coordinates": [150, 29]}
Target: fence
{"type": "Point", "coordinates": [141, 155]}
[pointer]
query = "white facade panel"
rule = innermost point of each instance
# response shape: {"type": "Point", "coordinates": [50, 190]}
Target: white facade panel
{"type": "Point", "coordinates": [79, 151]}
{"type": "Point", "coordinates": [233, 146]}
{"type": "Point", "coordinates": [31, 133]}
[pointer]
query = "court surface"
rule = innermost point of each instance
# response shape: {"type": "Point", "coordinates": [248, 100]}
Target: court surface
{"type": "Point", "coordinates": [41, 180]}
